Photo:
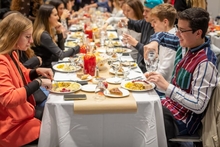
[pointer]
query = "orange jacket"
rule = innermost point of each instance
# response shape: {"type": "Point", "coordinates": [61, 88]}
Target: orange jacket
{"type": "Point", "coordinates": [17, 123]}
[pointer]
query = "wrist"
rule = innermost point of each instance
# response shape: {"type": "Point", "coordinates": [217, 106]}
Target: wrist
{"type": "Point", "coordinates": [39, 81]}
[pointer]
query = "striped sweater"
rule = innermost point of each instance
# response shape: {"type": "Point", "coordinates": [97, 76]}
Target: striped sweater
{"type": "Point", "coordinates": [194, 78]}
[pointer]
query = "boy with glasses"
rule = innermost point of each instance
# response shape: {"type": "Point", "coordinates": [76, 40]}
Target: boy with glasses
{"type": "Point", "coordinates": [194, 76]}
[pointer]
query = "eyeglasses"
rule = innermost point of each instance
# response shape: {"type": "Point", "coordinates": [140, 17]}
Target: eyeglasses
{"type": "Point", "coordinates": [181, 31]}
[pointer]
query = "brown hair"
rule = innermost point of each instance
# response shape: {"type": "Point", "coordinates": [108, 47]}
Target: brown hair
{"type": "Point", "coordinates": [138, 8]}
{"type": "Point", "coordinates": [41, 23]}
{"type": "Point", "coordinates": [165, 11]}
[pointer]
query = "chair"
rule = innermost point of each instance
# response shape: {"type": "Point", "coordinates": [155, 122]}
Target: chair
{"type": "Point", "coordinates": [204, 135]}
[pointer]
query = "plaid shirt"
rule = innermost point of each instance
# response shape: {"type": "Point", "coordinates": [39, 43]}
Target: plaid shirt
{"type": "Point", "coordinates": [194, 78]}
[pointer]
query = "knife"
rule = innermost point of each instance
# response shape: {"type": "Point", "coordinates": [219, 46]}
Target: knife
{"type": "Point", "coordinates": [80, 82]}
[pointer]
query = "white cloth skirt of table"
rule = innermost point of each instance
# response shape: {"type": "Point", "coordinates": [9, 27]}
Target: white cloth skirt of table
{"type": "Point", "coordinates": [62, 128]}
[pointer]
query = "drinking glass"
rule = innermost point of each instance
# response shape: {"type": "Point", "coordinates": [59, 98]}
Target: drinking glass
{"type": "Point", "coordinates": [115, 67]}
{"type": "Point", "coordinates": [126, 71]}
{"type": "Point", "coordinates": [152, 61]}
{"type": "Point", "coordinates": [99, 91]}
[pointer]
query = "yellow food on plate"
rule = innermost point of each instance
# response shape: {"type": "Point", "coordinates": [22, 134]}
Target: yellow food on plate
{"type": "Point", "coordinates": [112, 35]}
{"type": "Point", "coordinates": [66, 67]}
{"type": "Point", "coordinates": [71, 44]}
{"type": "Point", "coordinates": [65, 86]}
{"type": "Point", "coordinates": [76, 35]}
{"type": "Point", "coordinates": [137, 86]}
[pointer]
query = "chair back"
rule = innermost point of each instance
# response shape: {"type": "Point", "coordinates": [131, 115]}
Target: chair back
{"type": "Point", "coordinates": [211, 127]}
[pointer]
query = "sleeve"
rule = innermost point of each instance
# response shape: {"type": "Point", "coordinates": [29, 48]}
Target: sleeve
{"type": "Point", "coordinates": [112, 20]}
{"type": "Point", "coordinates": [32, 62]}
{"type": "Point", "coordinates": [61, 41]}
{"type": "Point", "coordinates": [166, 39]}
{"type": "Point", "coordinates": [10, 95]}
{"type": "Point", "coordinates": [135, 25]}
{"type": "Point", "coordinates": [166, 62]}
{"type": "Point", "coordinates": [47, 42]}
{"type": "Point", "coordinates": [204, 81]}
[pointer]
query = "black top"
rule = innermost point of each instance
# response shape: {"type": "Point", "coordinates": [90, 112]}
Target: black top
{"type": "Point", "coordinates": [50, 52]}
{"type": "Point", "coordinates": [31, 63]}
{"type": "Point", "coordinates": [143, 27]}
{"type": "Point", "coordinates": [181, 5]}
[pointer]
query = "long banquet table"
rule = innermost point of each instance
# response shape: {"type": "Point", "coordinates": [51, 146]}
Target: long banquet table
{"type": "Point", "coordinates": [61, 127]}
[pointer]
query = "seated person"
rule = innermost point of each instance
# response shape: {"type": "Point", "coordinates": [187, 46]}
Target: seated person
{"type": "Point", "coordinates": [44, 37]}
{"type": "Point", "coordinates": [143, 27]}
{"type": "Point", "coordinates": [194, 76]}
{"type": "Point", "coordinates": [163, 17]}
{"type": "Point", "coordinates": [17, 105]}
{"type": "Point", "coordinates": [108, 5]}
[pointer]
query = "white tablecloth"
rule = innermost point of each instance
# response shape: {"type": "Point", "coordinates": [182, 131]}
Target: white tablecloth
{"type": "Point", "coordinates": [62, 128]}
{"type": "Point", "coordinates": [145, 128]}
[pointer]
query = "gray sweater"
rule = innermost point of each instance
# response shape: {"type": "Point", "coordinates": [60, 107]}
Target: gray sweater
{"type": "Point", "coordinates": [143, 27]}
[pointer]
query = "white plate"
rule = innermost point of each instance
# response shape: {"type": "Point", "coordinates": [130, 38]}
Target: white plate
{"type": "Point", "coordinates": [110, 28]}
{"type": "Point", "coordinates": [114, 80]}
{"type": "Point", "coordinates": [132, 64]}
{"type": "Point", "coordinates": [88, 88]}
{"type": "Point", "coordinates": [125, 50]}
{"type": "Point", "coordinates": [75, 28]}
{"type": "Point", "coordinates": [75, 35]}
{"type": "Point", "coordinates": [87, 79]}
{"type": "Point", "coordinates": [113, 72]}
{"type": "Point", "coordinates": [124, 93]}
{"type": "Point", "coordinates": [147, 89]}
{"type": "Point", "coordinates": [55, 84]}
{"type": "Point", "coordinates": [63, 67]}
{"type": "Point", "coordinates": [112, 35]}
{"type": "Point", "coordinates": [71, 44]}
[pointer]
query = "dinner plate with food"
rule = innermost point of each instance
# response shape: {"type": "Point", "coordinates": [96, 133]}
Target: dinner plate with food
{"type": "Point", "coordinates": [64, 87]}
{"type": "Point", "coordinates": [122, 50]}
{"type": "Point", "coordinates": [70, 44]}
{"type": "Point", "coordinates": [137, 85]}
{"type": "Point", "coordinates": [66, 67]}
{"type": "Point", "coordinates": [120, 71]}
{"type": "Point", "coordinates": [112, 35]}
{"type": "Point", "coordinates": [83, 77]}
{"type": "Point", "coordinates": [129, 63]}
{"type": "Point", "coordinates": [116, 92]}
{"type": "Point", "coordinates": [75, 35]}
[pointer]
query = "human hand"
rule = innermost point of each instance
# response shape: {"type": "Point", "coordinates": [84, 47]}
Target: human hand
{"type": "Point", "coordinates": [123, 22]}
{"type": "Point", "coordinates": [65, 14]}
{"type": "Point", "coordinates": [46, 72]}
{"type": "Point", "coordinates": [46, 83]}
{"type": "Point", "coordinates": [130, 40]}
{"type": "Point", "coordinates": [147, 48]}
{"type": "Point", "coordinates": [59, 27]}
{"type": "Point", "coordinates": [157, 79]}
{"type": "Point", "coordinates": [40, 60]}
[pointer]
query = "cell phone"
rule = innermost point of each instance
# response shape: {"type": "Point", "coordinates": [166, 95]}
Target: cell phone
{"type": "Point", "coordinates": [70, 97]}
{"type": "Point", "coordinates": [125, 54]}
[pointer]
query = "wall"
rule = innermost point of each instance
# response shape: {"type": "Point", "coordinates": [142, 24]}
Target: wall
{"type": "Point", "coordinates": [214, 7]}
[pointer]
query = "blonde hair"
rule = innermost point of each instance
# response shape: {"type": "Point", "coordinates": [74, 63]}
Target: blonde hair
{"type": "Point", "coordinates": [41, 23]}
{"type": "Point", "coordinates": [197, 3]}
{"type": "Point", "coordinates": [165, 11]}
{"type": "Point", "coordinates": [11, 28]}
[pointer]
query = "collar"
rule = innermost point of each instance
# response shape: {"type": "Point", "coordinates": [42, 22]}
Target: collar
{"type": "Point", "coordinates": [202, 46]}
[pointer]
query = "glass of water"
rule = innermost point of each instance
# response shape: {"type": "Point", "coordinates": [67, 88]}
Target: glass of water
{"type": "Point", "coordinates": [152, 60]}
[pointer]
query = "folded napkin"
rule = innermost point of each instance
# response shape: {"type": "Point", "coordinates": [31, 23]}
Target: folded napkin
{"type": "Point", "coordinates": [134, 74]}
